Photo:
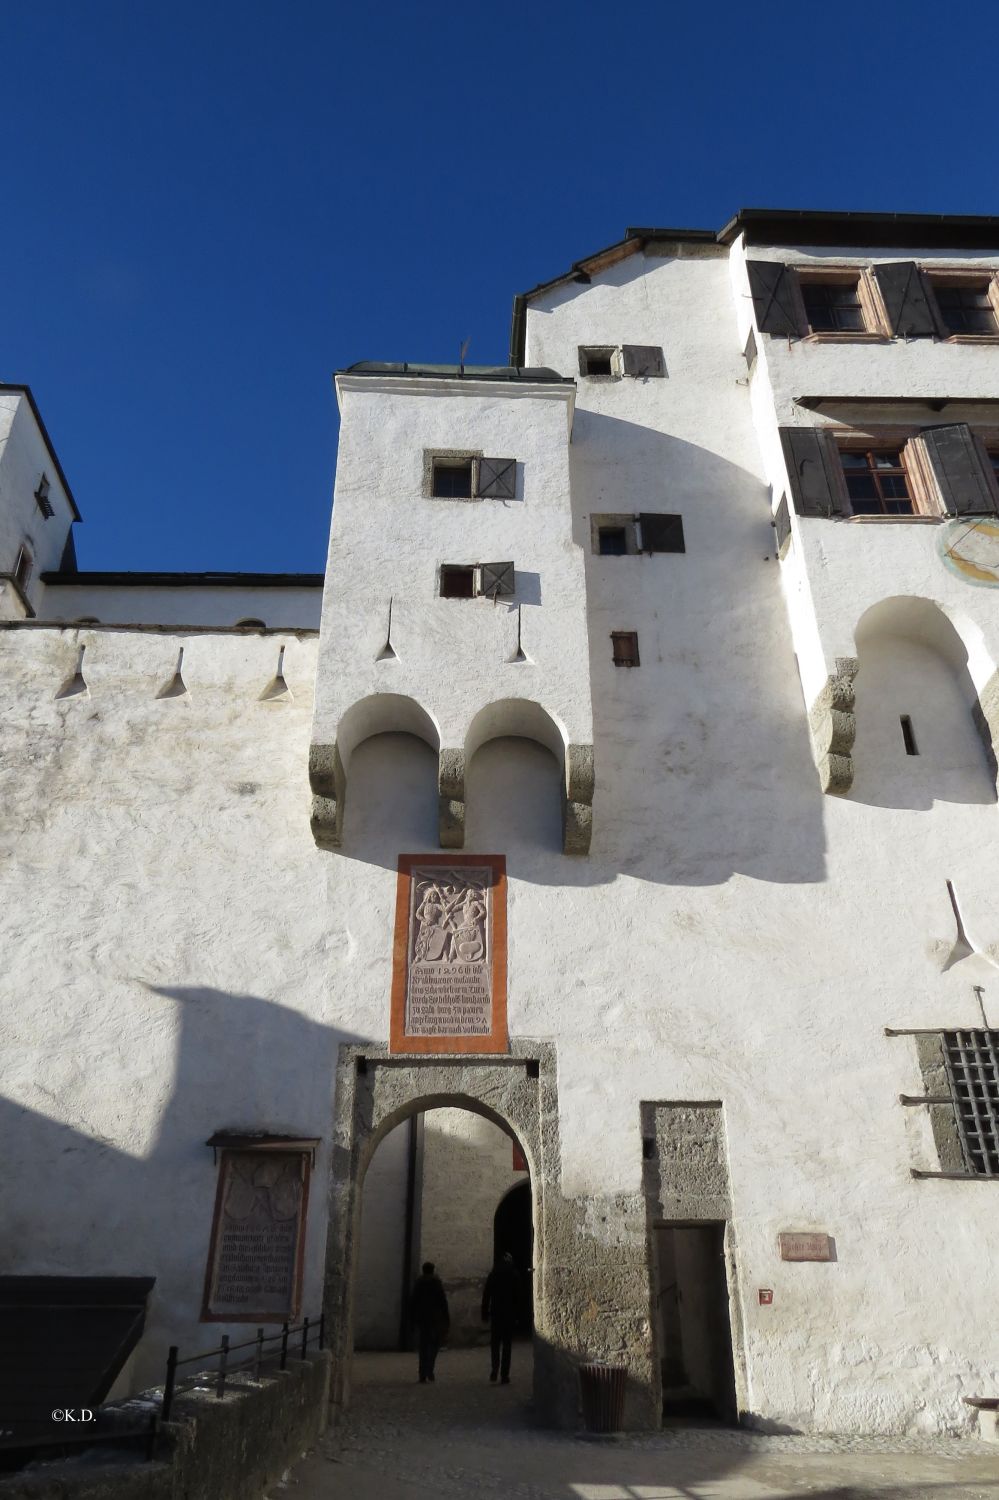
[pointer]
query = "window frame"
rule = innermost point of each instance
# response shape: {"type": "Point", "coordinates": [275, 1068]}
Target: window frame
{"type": "Point", "coordinates": [451, 568]}
{"type": "Point", "coordinates": [608, 520]}
{"type": "Point", "coordinates": [451, 458]}
{"type": "Point", "coordinates": [943, 277]}
{"type": "Point", "coordinates": [612, 353]}
{"type": "Point", "coordinates": [914, 479]}
{"type": "Point", "coordinates": [873, 311]}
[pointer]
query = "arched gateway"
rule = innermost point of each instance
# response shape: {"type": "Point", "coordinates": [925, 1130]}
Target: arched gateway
{"type": "Point", "coordinates": [377, 1091]}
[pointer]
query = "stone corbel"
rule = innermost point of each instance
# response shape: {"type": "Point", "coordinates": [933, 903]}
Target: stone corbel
{"type": "Point", "coordinates": [451, 797]}
{"type": "Point", "coordinates": [577, 803]}
{"type": "Point", "coordinates": [329, 787]}
{"type": "Point", "coordinates": [832, 723]}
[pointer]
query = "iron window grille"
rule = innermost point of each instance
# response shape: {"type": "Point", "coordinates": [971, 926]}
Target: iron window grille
{"type": "Point", "coordinates": [972, 1062]}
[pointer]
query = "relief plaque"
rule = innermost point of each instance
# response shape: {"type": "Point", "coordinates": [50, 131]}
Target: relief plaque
{"type": "Point", "coordinates": [449, 960]}
{"type": "Point", "coordinates": [255, 1260]}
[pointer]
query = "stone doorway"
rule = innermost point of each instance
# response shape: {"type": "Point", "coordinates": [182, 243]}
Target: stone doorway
{"type": "Point", "coordinates": [377, 1092]}
{"type": "Point", "coordinates": [695, 1331]}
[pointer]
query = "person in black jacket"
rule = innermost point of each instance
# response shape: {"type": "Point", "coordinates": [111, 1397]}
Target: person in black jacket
{"type": "Point", "coordinates": [499, 1309]}
{"type": "Point", "coordinates": [428, 1311]}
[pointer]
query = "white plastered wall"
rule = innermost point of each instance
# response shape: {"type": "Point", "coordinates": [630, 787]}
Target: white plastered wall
{"type": "Point", "coordinates": [24, 458]}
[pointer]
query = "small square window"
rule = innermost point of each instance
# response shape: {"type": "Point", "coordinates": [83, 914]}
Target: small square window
{"type": "Point", "coordinates": [598, 360]}
{"type": "Point", "coordinates": [612, 541]}
{"type": "Point", "coordinates": [833, 306]}
{"type": "Point", "coordinates": [452, 479]}
{"type": "Point", "coordinates": [625, 647]}
{"type": "Point", "coordinates": [967, 307]}
{"type": "Point", "coordinates": [457, 582]}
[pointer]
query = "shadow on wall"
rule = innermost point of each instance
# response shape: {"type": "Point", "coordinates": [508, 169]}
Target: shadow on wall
{"type": "Point", "coordinates": [703, 760]}
{"type": "Point", "coordinates": [77, 1205]}
{"type": "Point", "coordinates": [917, 742]}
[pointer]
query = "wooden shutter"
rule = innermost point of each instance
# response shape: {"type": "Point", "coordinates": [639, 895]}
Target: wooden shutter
{"type": "Point", "coordinates": [910, 313]}
{"type": "Point", "coordinates": [782, 526]}
{"type": "Point", "coordinates": [813, 471]}
{"type": "Point", "coordinates": [497, 479]}
{"type": "Point", "coordinates": [966, 486]}
{"type": "Point", "coordinates": [644, 361]}
{"type": "Point", "coordinates": [496, 579]}
{"type": "Point", "coordinates": [661, 533]}
{"type": "Point", "coordinates": [774, 302]}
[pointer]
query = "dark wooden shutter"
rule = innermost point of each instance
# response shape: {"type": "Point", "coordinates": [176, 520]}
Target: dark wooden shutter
{"type": "Point", "coordinates": [782, 526]}
{"type": "Point", "coordinates": [774, 303]}
{"type": "Point", "coordinates": [812, 471]}
{"type": "Point", "coordinates": [497, 479]}
{"type": "Point", "coordinates": [496, 579]}
{"type": "Point", "coordinates": [958, 467]}
{"type": "Point", "coordinates": [644, 361]}
{"type": "Point", "coordinates": [910, 312]}
{"type": "Point", "coordinates": [661, 533]}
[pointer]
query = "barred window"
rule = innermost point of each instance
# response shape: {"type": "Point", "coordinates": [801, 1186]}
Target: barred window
{"type": "Point", "coordinates": [972, 1059]}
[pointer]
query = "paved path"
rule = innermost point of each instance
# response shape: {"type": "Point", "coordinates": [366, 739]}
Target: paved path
{"type": "Point", "coordinates": [463, 1437]}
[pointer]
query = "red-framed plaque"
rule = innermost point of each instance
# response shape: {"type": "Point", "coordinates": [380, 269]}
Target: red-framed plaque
{"type": "Point", "coordinates": [254, 1272]}
{"type": "Point", "coordinates": [449, 955]}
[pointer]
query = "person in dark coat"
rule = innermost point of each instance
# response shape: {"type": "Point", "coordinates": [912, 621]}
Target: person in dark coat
{"type": "Point", "coordinates": [428, 1311]}
{"type": "Point", "coordinates": [500, 1301]}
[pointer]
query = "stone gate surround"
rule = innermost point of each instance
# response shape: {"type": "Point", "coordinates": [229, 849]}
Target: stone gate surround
{"type": "Point", "coordinates": [591, 1289]}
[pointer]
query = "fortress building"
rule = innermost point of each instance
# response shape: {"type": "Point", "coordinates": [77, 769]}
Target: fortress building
{"type": "Point", "coordinates": [598, 860]}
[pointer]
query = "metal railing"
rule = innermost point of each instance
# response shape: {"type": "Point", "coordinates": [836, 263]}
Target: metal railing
{"type": "Point", "coordinates": [301, 1333]}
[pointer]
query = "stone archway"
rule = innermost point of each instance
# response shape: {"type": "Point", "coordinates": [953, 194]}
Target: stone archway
{"type": "Point", "coordinates": [375, 1092]}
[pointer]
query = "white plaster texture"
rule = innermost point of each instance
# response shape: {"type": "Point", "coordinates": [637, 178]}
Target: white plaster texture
{"type": "Point", "coordinates": [201, 604]}
{"type": "Point", "coordinates": [182, 958]}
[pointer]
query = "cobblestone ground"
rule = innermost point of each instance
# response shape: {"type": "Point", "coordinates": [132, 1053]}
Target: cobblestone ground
{"type": "Point", "coordinates": [464, 1437]}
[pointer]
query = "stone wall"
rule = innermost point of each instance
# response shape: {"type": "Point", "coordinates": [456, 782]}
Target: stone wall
{"type": "Point", "coordinates": [209, 1450]}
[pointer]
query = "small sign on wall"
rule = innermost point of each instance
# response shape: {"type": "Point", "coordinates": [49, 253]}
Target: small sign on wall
{"type": "Point", "coordinates": [806, 1246]}
{"type": "Point", "coordinates": [449, 957]}
{"type": "Point", "coordinates": [255, 1259]}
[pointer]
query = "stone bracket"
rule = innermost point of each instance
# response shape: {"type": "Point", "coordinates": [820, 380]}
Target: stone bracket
{"type": "Point", "coordinates": [451, 797]}
{"type": "Point", "coordinates": [577, 802]}
{"type": "Point", "coordinates": [329, 788]}
{"type": "Point", "coordinates": [832, 723]}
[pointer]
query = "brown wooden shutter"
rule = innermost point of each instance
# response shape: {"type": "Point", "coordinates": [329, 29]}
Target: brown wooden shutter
{"type": "Point", "coordinates": [910, 312]}
{"type": "Point", "coordinates": [661, 533]}
{"type": "Point", "coordinates": [959, 468]}
{"type": "Point", "coordinates": [782, 526]}
{"type": "Point", "coordinates": [497, 479]}
{"type": "Point", "coordinates": [496, 579]}
{"type": "Point", "coordinates": [772, 286]}
{"type": "Point", "coordinates": [644, 361]}
{"type": "Point", "coordinates": [812, 470]}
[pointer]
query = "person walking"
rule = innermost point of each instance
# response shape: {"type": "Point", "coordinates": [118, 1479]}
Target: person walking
{"type": "Point", "coordinates": [500, 1300]}
{"type": "Point", "coordinates": [428, 1312]}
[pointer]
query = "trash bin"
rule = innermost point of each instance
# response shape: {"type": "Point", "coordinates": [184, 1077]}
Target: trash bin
{"type": "Point", "coordinates": [602, 1388]}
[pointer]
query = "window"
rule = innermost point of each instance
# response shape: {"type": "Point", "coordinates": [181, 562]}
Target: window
{"type": "Point", "coordinates": [972, 1062]}
{"type": "Point", "coordinates": [472, 580]}
{"type": "Point", "coordinates": [833, 306]}
{"type": "Point", "coordinates": [908, 736]}
{"type": "Point", "coordinates": [876, 482]}
{"type": "Point", "coordinates": [451, 475]}
{"type": "Point", "coordinates": [23, 566]}
{"type": "Point", "coordinates": [966, 306]}
{"type": "Point", "coordinates": [599, 361]}
{"type": "Point", "coordinates": [250, 625]}
{"type": "Point", "coordinates": [42, 498]}
{"type": "Point", "coordinates": [457, 582]}
{"type": "Point", "coordinates": [612, 541]}
{"type": "Point", "coordinates": [611, 361]}
{"type": "Point", "coordinates": [452, 479]}
{"type": "Point", "coordinates": [625, 648]}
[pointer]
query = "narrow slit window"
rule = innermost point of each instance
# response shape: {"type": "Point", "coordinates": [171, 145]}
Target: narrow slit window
{"type": "Point", "coordinates": [452, 480]}
{"type": "Point", "coordinates": [625, 648]}
{"type": "Point", "coordinates": [908, 735]}
{"type": "Point", "coordinates": [22, 568]}
{"type": "Point", "coordinates": [457, 582]}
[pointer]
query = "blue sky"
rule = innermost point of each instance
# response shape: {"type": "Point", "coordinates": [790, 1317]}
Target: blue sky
{"type": "Point", "coordinates": [208, 207]}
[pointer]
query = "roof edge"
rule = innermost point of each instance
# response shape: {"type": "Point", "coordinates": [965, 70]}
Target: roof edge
{"type": "Point", "coordinates": [186, 580]}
